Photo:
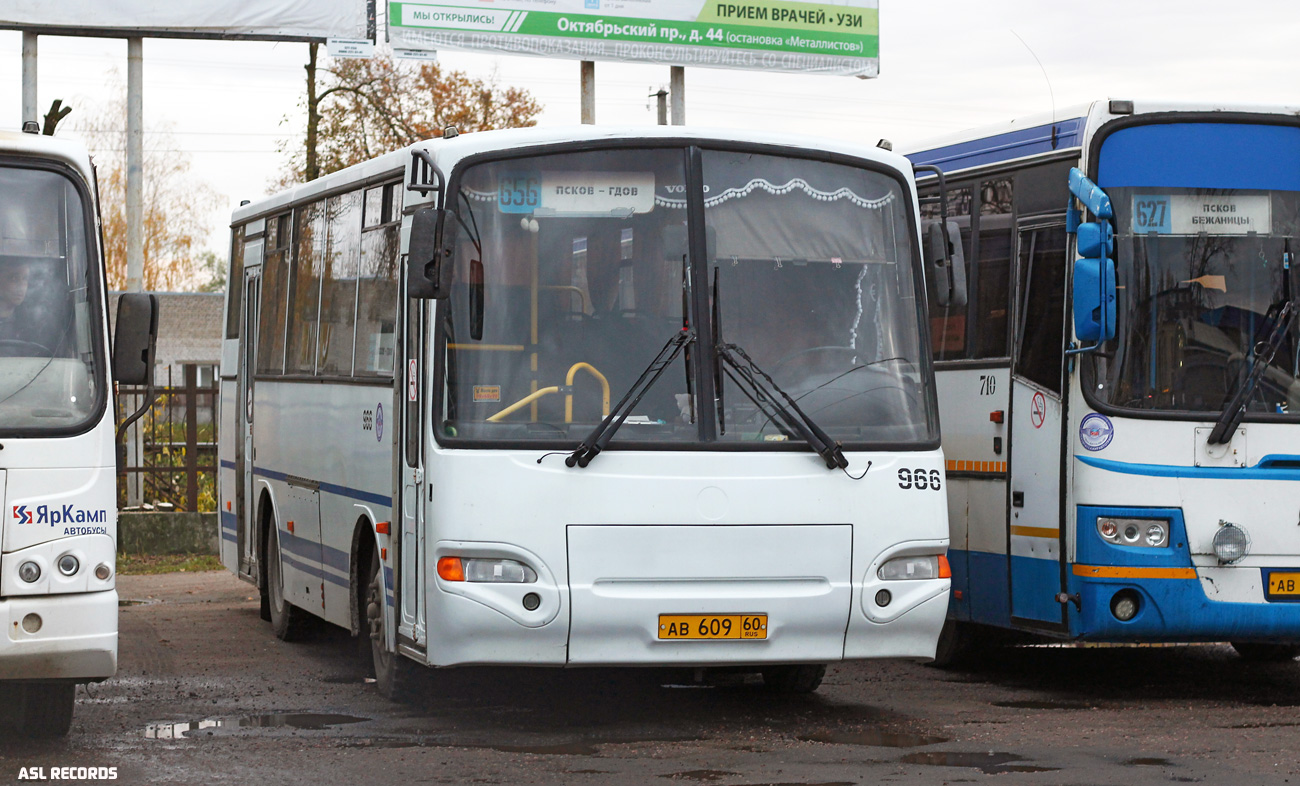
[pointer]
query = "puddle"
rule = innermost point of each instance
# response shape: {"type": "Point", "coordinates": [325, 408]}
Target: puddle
{"type": "Point", "coordinates": [1148, 762]}
{"type": "Point", "coordinates": [1046, 705]}
{"type": "Point", "coordinates": [562, 749]}
{"type": "Point", "coordinates": [990, 763]}
{"type": "Point", "coordinates": [703, 776]}
{"type": "Point", "coordinates": [1263, 725]}
{"type": "Point", "coordinates": [873, 738]}
{"type": "Point", "coordinates": [136, 601]}
{"type": "Point", "coordinates": [303, 720]}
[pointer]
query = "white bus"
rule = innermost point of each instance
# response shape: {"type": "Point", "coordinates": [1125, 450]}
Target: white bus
{"type": "Point", "coordinates": [1121, 395]}
{"type": "Point", "coordinates": [57, 466]}
{"type": "Point", "coordinates": [534, 446]}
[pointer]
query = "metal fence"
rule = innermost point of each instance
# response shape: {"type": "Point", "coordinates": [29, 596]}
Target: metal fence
{"type": "Point", "coordinates": [171, 452]}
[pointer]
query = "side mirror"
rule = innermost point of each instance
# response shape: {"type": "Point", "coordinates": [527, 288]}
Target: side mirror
{"type": "Point", "coordinates": [135, 338]}
{"type": "Point", "coordinates": [1094, 299]}
{"type": "Point", "coordinates": [945, 263]}
{"type": "Point", "coordinates": [428, 259]}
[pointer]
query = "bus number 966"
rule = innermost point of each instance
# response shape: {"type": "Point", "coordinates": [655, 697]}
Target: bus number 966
{"type": "Point", "coordinates": [920, 479]}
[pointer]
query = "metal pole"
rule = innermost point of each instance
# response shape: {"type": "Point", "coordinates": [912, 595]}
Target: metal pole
{"type": "Point", "coordinates": [588, 92]}
{"type": "Point", "coordinates": [29, 79]}
{"type": "Point", "coordinates": [677, 88]}
{"type": "Point", "coordinates": [134, 165]}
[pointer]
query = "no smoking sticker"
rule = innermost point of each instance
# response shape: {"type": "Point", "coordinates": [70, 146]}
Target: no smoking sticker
{"type": "Point", "coordinates": [1038, 410]}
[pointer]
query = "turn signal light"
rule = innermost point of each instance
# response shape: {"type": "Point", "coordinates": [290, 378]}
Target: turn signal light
{"type": "Point", "coordinates": [451, 569]}
{"type": "Point", "coordinates": [945, 570]}
{"type": "Point", "coordinates": [996, 416]}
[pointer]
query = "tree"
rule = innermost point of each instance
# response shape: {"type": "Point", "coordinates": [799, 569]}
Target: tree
{"type": "Point", "coordinates": [176, 205]}
{"type": "Point", "coordinates": [367, 107]}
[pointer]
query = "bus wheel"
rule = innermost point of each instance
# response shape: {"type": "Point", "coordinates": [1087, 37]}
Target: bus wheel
{"type": "Point", "coordinates": [1266, 653]}
{"type": "Point", "coordinates": [956, 643]}
{"type": "Point", "coordinates": [395, 675]}
{"type": "Point", "coordinates": [793, 679]}
{"type": "Point", "coordinates": [47, 709]}
{"type": "Point", "coordinates": [288, 622]}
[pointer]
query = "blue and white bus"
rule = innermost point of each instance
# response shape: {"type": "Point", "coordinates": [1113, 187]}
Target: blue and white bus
{"type": "Point", "coordinates": [477, 404]}
{"type": "Point", "coordinates": [1119, 397]}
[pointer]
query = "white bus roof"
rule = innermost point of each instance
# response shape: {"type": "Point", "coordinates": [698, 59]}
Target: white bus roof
{"type": "Point", "coordinates": [39, 146]}
{"type": "Point", "coordinates": [447, 152]}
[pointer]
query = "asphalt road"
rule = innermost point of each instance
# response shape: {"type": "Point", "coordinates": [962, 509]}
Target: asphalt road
{"type": "Point", "coordinates": [205, 694]}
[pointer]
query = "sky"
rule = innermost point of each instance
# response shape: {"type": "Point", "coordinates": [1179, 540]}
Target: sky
{"type": "Point", "coordinates": [945, 66]}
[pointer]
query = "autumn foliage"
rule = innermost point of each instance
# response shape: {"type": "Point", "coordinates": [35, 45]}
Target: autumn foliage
{"type": "Point", "coordinates": [366, 107]}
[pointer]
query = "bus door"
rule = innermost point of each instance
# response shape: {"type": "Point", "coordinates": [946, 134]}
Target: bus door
{"type": "Point", "coordinates": [1036, 531]}
{"type": "Point", "coordinates": [245, 544]}
{"type": "Point", "coordinates": [411, 543]}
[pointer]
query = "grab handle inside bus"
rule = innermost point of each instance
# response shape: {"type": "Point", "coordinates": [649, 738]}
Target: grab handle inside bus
{"type": "Point", "coordinates": [429, 260]}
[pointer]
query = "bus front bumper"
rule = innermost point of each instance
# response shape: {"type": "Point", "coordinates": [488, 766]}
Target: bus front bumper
{"type": "Point", "coordinates": [76, 638]}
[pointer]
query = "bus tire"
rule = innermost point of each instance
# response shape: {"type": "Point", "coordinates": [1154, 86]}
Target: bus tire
{"type": "Point", "coordinates": [288, 622]}
{"type": "Point", "coordinates": [1266, 653]}
{"type": "Point", "coordinates": [395, 675]}
{"type": "Point", "coordinates": [954, 646]}
{"type": "Point", "coordinates": [47, 709]}
{"type": "Point", "coordinates": [794, 679]}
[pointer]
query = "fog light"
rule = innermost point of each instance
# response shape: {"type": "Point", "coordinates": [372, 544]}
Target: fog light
{"type": "Point", "coordinates": [883, 598]}
{"type": "Point", "coordinates": [1156, 535]}
{"type": "Point", "coordinates": [532, 600]}
{"type": "Point", "coordinates": [1131, 532]}
{"type": "Point", "coordinates": [1124, 605]}
{"type": "Point", "coordinates": [29, 572]}
{"type": "Point", "coordinates": [103, 571]}
{"type": "Point", "coordinates": [69, 565]}
{"type": "Point", "coordinates": [32, 623]}
{"type": "Point", "coordinates": [1230, 543]}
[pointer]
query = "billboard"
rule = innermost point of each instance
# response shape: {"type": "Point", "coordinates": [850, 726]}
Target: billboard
{"type": "Point", "coordinates": [265, 19]}
{"type": "Point", "coordinates": [835, 37]}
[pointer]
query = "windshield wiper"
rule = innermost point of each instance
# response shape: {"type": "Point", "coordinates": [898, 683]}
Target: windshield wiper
{"type": "Point", "coordinates": [759, 386]}
{"type": "Point", "coordinates": [1282, 319]}
{"type": "Point", "coordinates": [600, 436]}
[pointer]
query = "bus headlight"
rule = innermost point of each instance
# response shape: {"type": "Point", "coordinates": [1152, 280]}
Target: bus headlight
{"type": "Point", "coordinates": [69, 565]}
{"type": "Point", "coordinates": [29, 572]}
{"type": "Point", "coordinates": [1230, 543]}
{"type": "Point", "coordinates": [915, 567]}
{"type": "Point", "coordinates": [1152, 533]}
{"type": "Point", "coordinates": [497, 571]}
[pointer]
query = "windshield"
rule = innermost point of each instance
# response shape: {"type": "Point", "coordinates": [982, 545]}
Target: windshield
{"type": "Point", "coordinates": [1201, 275]}
{"type": "Point", "coordinates": [573, 272]}
{"type": "Point", "coordinates": [48, 379]}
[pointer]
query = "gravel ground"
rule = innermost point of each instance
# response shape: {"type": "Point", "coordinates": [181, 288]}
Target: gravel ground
{"type": "Point", "coordinates": [206, 694]}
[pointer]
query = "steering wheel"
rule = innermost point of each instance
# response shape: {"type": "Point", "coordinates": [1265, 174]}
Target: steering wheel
{"type": "Point", "coordinates": [21, 348]}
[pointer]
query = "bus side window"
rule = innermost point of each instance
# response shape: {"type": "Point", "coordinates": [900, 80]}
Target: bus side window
{"type": "Point", "coordinates": [1042, 302]}
{"type": "Point", "coordinates": [948, 324]}
{"type": "Point", "coordinates": [235, 282]}
{"type": "Point", "coordinates": [994, 250]}
{"type": "Point", "coordinates": [275, 289]}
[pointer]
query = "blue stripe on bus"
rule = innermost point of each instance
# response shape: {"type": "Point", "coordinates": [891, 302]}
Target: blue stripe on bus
{"type": "Point", "coordinates": [331, 488]}
{"type": "Point", "coordinates": [1261, 471]}
{"type": "Point", "coordinates": [227, 464]}
{"type": "Point", "coordinates": [309, 549]}
{"type": "Point", "coordinates": [229, 521]}
{"type": "Point", "coordinates": [312, 570]}
{"type": "Point", "coordinates": [1003, 147]}
{"type": "Point", "coordinates": [1202, 155]}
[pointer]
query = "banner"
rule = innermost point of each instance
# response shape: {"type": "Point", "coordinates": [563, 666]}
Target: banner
{"type": "Point", "coordinates": [263, 19]}
{"type": "Point", "coordinates": [838, 37]}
